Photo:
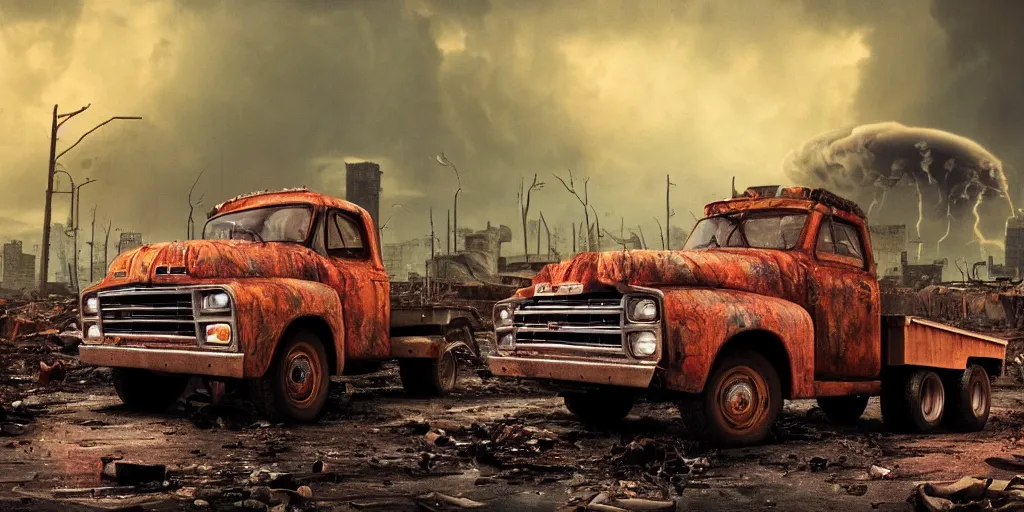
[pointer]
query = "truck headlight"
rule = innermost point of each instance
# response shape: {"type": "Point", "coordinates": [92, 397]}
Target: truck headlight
{"type": "Point", "coordinates": [503, 315]}
{"type": "Point", "coordinates": [643, 310]}
{"type": "Point", "coordinates": [92, 306]}
{"type": "Point", "coordinates": [643, 344]}
{"type": "Point", "coordinates": [216, 301]}
{"type": "Point", "coordinates": [218, 334]}
{"type": "Point", "coordinates": [508, 341]}
{"type": "Point", "coordinates": [93, 332]}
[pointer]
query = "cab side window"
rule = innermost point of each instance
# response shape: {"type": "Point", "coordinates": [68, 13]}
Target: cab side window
{"type": "Point", "coordinates": [840, 238]}
{"type": "Point", "coordinates": [344, 237]}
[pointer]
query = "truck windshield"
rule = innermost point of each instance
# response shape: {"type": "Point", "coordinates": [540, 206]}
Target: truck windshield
{"type": "Point", "coordinates": [270, 224]}
{"type": "Point", "coordinates": [762, 231]}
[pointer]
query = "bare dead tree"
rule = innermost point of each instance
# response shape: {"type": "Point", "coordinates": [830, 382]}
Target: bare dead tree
{"type": "Point", "coordinates": [597, 227]}
{"type": "Point", "coordinates": [643, 241]}
{"type": "Point", "coordinates": [524, 210]}
{"type": "Point", "coordinates": [190, 226]}
{"type": "Point", "coordinates": [661, 233]}
{"type": "Point", "coordinates": [385, 224]}
{"type": "Point", "coordinates": [584, 200]}
{"type": "Point", "coordinates": [546, 230]}
{"type": "Point", "coordinates": [669, 212]}
{"type": "Point", "coordinates": [617, 240]}
{"type": "Point", "coordinates": [106, 242]}
{"type": "Point", "coordinates": [92, 247]}
{"type": "Point", "coordinates": [431, 262]}
{"type": "Point", "coordinates": [574, 238]}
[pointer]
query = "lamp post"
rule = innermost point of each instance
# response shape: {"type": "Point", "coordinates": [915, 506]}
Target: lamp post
{"type": "Point", "coordinates": [443, 160]}
{"type": "Point", "coordinates": [58, 120]}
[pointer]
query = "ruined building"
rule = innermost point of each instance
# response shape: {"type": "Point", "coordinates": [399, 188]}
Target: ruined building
{"type": "Point", "coordinates": [888, 243]}
{"type": "Point", "coordinates": [128, 241]}
{"type": "Point", "coordinates": [478, 261]}
{"type": "Point", "coordinates": [362, 187]}
{"type": "Point", "coordinates": [1014, 256]}
{"type": "Point", "coordinates": [919, 276]}
{"type": "Point", "coordinates": [407, 259]}
{"type": "Point", "coordinates": [19, 269]}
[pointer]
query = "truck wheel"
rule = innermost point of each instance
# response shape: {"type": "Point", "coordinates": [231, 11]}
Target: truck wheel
{"type": "Point", "coordinates": [741, 401]}
{"type": "Point", "coordinates": [970, 397]}
{"type": "Point", "coordinates": [429, 377]}
{"type": "Point", "coordinates": [923, 398]}
{"type": "Point", "coordinates": [599, 408]}
{"type": "Point", "coordinates": [296, 385]}
{"type": "Point", "coordinates": [843, 410]}
{"type": "Point", "coordinates": [145, 390]}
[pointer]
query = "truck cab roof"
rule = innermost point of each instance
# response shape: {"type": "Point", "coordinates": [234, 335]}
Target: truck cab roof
{"type": "Point", "coordinates": [286, 196]}
{"type": "Point", "coordinates": [778, 197]}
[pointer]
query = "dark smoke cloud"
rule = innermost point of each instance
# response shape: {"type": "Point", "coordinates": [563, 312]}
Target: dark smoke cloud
{"type": "Point", "coordinates": [947, 177]}
{"type": "Point", "coordinates": [268, 94]}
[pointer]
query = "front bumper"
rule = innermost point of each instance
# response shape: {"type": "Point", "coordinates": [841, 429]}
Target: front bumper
{"type": "Point", "coordinates": [590, 372]}
{"type": "Point", "coordinates": [193, 362]}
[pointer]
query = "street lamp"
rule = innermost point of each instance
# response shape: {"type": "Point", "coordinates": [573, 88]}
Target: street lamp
{"type": "Point", "coordinates": [443, 160]}
{"type": "Point", "coordinates": [58, 120]}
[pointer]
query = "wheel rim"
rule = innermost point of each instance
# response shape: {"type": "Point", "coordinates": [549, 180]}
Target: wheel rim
{"type": "Point", "coordinates": [742, 397]}
{"type": "Point", "coordinates": [932, 398]}
{"type": "Point", "coordinates": [446, 373]}
{"type": "Point", "coordinates": [979, 400]}
{"type": "Point", "coordinates": [303, 374]}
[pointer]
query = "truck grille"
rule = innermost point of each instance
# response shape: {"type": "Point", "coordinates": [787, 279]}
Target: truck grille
{"type": "Point", "coordinates": [586, 320]}
{"type": "Point", "coordinates": [148, 313]}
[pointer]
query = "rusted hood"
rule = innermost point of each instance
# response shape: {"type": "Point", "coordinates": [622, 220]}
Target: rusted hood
{"type": "Point", "coordinates": [774, 273]}
{"type": "Point", "coordinates": [201, 259]}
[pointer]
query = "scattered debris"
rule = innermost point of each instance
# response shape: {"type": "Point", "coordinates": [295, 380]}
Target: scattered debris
{"type": "Point", "coordinates": [438, 499]}
{"type": "Point", "coordinates": [878, 472]}
{"type": "Point", "coordinates": [970, 493]}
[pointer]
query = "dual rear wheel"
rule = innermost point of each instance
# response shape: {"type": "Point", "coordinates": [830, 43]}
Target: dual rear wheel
{"type": "Point", "coordinates": [922, 401]}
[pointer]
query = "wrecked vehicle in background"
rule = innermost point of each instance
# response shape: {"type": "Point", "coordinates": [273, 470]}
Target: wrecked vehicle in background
{"type": "Point", "coordinates": [773, 297]}
{"type": "Point", "coordinates": [284, 290]}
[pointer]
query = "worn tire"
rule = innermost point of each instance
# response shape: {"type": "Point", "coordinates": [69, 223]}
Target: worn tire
{"type": "Point", "coordinates": [968, 399]}
{"type": "Point", "coordinates": [599, 408]}
{"type": "Point", "coordinates": [915, 402]}
{"type": "Point", "coordinates": [844, 410]}
{"type": "Point", "coordinates": [756, 401]}
{"type": "Point", "coordinates": [429, 377]}
{"type": "Point", "coordinates": [296, 385]}
{"type": "Point", "coordinates": [148, 391]}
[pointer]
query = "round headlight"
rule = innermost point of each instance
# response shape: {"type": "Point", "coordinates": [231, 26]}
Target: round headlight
{"type": "Point", "coordinates": [643, 344]}
{"type": "Point", "coordinates": [643, 310]}
{"type": "Point", "coordinates": [92, 305]}
{"type": "Point", "coordinates": [503, 315]}
{"type": "Point", "coordinates": [507, 341]}
{"type": "Point", "coordinates": [219, 300]}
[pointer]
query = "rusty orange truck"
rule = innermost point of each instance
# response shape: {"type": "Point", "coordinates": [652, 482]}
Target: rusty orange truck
{"type": "Point", "coordinates": [773, 297]}
{"type": "Point", "coordinates": [283, 290]}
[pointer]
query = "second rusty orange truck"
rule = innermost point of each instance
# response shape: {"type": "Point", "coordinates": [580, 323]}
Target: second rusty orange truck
{"type": "Point", "coordinates": [773, 297]}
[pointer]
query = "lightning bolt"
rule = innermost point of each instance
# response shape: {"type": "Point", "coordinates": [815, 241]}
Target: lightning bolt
{"type": "Point", "coordinates": [949, 225]}
{"type": "Point", "coordinates": [982, 241]}
{"type": "Point", "coordinates": [920, 216]}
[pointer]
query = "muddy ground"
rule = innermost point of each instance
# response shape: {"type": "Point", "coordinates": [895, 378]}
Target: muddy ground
{"type": "Point", "coordinates": [504, 445]}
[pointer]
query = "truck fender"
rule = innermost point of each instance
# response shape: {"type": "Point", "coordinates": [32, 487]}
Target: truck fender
{"type": "Point", "coordinates": [266, 308]}
{"type": "Point", "coordinates": [699, 323]}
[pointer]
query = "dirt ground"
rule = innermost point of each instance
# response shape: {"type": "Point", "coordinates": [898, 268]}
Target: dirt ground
{"type": "Point", "coordinates": [502, 444]}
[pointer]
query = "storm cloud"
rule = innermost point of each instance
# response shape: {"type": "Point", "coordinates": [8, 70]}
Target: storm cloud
{"type": "Point", "coordinates": [266, 94]}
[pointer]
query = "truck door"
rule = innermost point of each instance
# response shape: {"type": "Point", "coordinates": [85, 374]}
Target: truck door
{"type": "Point", "coordinates": [362, 286]}
{"type": "Point", "coordinates": [845, 298]}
